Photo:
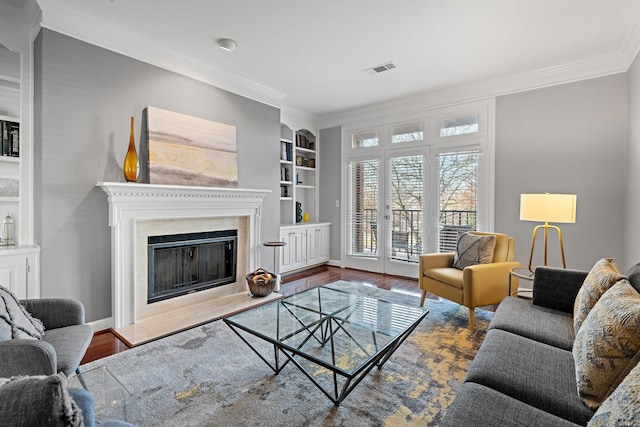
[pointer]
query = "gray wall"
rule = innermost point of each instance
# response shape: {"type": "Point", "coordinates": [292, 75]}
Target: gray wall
{"type": "Point", "coordinates": [565, 139]}
{"type": "Point", "coordinates": [84, 98]}
{"type": "Point", "coordinates": [632, 225]}
{"type": "Point", "coordinates": [330, 188]}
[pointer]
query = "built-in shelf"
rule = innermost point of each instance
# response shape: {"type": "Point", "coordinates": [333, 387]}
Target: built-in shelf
{"type": "Point", "coordinates": [305, 150]}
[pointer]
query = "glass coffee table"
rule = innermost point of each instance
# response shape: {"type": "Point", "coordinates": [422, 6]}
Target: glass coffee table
{"type": "Point", "coordinates": [333, 336]}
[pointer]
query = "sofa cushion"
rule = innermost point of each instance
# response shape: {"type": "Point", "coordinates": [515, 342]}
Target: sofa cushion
{"type": "Point", "coordinates": [38, 401]}
{"type": "Point", "coordinates": [473, 249]}
{"type": "Point", "coordinates": [633, 274]}
{"type": "Point", "coordinates": [542, 324]}
{"type": "Point", "coordinates": [477, 405]}
{"type": "Point", "coordinates": [607, 346]}
{"type": "Point", "coordinates": [601, 277]}
{"type": "Point", "coordinates": [70, 344]}
{"type": "Point", "coordinates": [537, 374]}
{"type": "Point", "coordinates": [15, 320]}
{"type": "Point", "coordinates": [622, 408]}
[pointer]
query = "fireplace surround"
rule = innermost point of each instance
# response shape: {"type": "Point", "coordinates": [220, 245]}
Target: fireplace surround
{"type": "Point", "coordinates": [137, 211]}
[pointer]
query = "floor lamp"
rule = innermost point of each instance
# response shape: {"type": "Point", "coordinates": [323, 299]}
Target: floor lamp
{"type": "Point", "coordinates": [547, 208]}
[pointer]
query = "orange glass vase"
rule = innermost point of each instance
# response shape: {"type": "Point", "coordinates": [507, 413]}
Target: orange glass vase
{"type": "Point", "coordinates": [131, 163]}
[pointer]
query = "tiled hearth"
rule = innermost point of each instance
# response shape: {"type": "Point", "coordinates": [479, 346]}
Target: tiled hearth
{"type": "Point", "coordinates": [137, 211]}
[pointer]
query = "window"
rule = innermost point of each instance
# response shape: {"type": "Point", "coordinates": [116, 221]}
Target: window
{"type": "Point", "coordinates": [365, 139]}
{"type": "Point", "coordinates": [458, 196]}
{"type": "Point", "coordinates": [459, 126]}
{"type": "Point", "coordinates": [362, 215]}
{"type": "Point", "coordinates": [407, 133]}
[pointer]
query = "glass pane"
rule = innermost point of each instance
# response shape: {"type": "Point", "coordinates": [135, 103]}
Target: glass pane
{"type": "Point", "coordinates": [363, 207]}
{"type": "Point", "coordinates": [365, 139]}
{"type": "Point", "coordinates": [406, 207]}
{"type": "Point", "coordinates": [407, 133]}
{"type": "Point", "coordinates": [459, 126]}
{"type": "Point", "coordinates": [458, 193]}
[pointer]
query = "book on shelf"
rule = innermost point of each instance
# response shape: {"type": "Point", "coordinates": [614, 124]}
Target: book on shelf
{"type": "Point", "coordinates": [284, 174]}
{"type": "Point", "coordinates": [304, 142]}
{"type": "Point", "coordinates": [285, 151]}
{"type": "Point", "coordinates": [10, 138]}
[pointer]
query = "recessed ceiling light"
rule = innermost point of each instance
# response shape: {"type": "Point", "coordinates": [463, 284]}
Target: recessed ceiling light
{"type": "Point", "coordinates": [227, 44]}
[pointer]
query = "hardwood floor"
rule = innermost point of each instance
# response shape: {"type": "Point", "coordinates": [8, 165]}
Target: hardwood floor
{"type": "Point", "coordinates": [105, 343]}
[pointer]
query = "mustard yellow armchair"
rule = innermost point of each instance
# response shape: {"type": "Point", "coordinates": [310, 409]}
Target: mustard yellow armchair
{"type": "Point", "coordinates": [475, 285]}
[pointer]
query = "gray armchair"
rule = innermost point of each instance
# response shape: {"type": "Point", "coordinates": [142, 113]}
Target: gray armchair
{"type": "Point", "coordinates": [66, 339]}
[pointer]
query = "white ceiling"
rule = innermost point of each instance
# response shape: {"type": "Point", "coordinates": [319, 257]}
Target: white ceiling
{"type": "Point", "coordinates": [310, 55]}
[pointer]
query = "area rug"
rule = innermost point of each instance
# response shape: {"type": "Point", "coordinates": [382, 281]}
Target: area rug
{"type": "Point", "coordinates": [207, 376]}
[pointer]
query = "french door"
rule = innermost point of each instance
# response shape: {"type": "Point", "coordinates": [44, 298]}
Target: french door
{"type": "Point", "coordinates": [385, 213]}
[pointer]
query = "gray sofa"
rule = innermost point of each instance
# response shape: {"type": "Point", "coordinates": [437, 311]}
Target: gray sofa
{"type": "Point", "coordinates": [524, 372]}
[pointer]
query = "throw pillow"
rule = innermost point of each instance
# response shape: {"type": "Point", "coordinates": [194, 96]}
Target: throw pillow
{"type": "Point", "coordinates": [38, 401]}
{"type": "Point", "coordinates": [602, 276]}
{"type": "Point", "coordinates": [15, 320]}
{"type": "Point", "coordinates": [622, 408]}
{"type": "Point", "coordinates": [607, 345]}
{"type": "Point", "coordinates": [473, 249]}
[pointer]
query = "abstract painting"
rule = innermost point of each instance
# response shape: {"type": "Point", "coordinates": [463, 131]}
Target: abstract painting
{"type": "Point", "coordinates": [186, 150]}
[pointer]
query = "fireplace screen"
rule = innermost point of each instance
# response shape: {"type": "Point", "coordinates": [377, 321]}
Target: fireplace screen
{"type": "Point", "coordinates": [185, 263]}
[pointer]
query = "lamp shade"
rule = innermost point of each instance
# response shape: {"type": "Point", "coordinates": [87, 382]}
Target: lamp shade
{"type": "Point", "coordinates": [548, 207]}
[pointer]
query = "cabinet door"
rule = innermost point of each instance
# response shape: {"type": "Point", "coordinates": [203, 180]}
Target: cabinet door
{"type": "Point", "coordinates": [299, 247]}
{"type": "Point", "coordinates": [13, 275]}
{"type": "Point", "coordinates": [294, 253]}
{"type": "Point", "coordinates": [323, 232]}
{"type": "Point", "coordinates": [318, 243]}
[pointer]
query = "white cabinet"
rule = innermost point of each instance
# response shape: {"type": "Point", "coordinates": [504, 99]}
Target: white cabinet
{"type": "Point", "coordinates": [305, 246]}
{"type": "Point", "coordinates": [19, 270]}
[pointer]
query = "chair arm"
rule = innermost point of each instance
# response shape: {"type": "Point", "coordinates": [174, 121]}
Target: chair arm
{"type": "Point", "coordinates": [27, 357]}
{"type": "Point", "coordinates": [435, 260]}
{"type": "Point", "coordinates": [557, 288]}
{"type": "Point", "coordinates": [56, 312]}
{"type": "Point", "coordinates": [484, 284]}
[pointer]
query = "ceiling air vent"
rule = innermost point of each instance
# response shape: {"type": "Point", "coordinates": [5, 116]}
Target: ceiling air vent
{"type": "Point", "coordinates": [381, 68]}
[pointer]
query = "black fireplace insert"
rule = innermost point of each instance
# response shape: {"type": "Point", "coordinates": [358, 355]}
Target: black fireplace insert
{"type": "Point", "coordinates": [190, 262]}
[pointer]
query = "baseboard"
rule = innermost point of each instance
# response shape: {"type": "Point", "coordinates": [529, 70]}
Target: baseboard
{"type": "Point", "coordinates": [335, 263]}
{"type": "Point", "coordinates": [102, 324]}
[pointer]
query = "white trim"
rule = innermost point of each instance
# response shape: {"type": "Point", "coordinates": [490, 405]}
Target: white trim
{"type": "Point", "coordinates": [101, 324]}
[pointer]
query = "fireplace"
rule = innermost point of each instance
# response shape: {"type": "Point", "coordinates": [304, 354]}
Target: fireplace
{"type": "Point", "coordinates": [185, 263]}
{"type": "Point", "coordinates": [138, 211]}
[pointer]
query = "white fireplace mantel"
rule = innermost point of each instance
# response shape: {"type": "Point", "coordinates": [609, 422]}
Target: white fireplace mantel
{"type": "Point", "coordinates": [133, 202]}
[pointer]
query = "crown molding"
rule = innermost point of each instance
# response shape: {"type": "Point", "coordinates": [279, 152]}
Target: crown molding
{"type": "Point", "coordinates": [545, 77]}
{"type": "Point", "coordinates": [96, 32]}
{"type": "Point", "coordinates": [631, 44]}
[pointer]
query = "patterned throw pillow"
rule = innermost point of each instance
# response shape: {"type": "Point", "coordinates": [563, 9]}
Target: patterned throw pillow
{"type": "Point", "coordinates": [473, 249]}
{"type": "Point", "coordinates": [622, 408]}
{"type": "Point", "coordinates": [607, 345]}
{"type": "Point", "coordinates": [15, 320]}
{"type": "Point", "coordinates": [602, 276]}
